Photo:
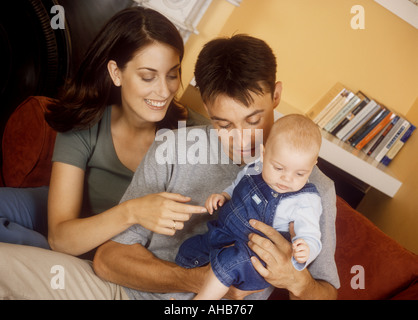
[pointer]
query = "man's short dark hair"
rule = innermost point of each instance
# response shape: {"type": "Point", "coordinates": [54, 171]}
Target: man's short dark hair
{"type": "Point", "coordinates": [235, 67]}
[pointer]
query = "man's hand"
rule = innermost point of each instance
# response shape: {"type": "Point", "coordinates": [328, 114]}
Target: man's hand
{"type": "Point", "coordinates": [276, 252]}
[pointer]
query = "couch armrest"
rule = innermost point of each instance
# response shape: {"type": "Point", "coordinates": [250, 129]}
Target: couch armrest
{"type": "Point", "coordinates": [28, 144]}
{"type": "Point", "coordinates": [390, 271]}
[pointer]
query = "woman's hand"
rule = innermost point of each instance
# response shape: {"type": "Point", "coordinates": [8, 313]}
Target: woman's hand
{"type": "Point", "coordinates": [163, 213]}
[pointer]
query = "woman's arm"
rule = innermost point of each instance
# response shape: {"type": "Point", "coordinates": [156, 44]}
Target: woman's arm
{"type": "Point", "coordinates": [73, 235]}
{"type": "Point", "coordinates": [66, 232]}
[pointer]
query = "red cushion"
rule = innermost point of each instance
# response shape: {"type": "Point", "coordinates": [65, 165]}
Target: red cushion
{"type": "Point", "coordinates": [390, 271]}
{"type": "Point", "coordinates": [410, 293]}
{"type": "Point", "coordinates": [28, 144]}
{"type": "Point", "coordinates": [388, 267]}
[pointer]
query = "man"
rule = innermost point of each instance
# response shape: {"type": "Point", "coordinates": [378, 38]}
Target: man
{"type": "Point", "coordinates": [236, 78]}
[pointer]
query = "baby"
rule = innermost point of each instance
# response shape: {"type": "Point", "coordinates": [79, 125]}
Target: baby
{"type": "Point", "coordinates": [274, 190]}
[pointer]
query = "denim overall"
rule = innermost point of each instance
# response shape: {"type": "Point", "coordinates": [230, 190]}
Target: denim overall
{"type": "Point", "coordinates": [225, 243]}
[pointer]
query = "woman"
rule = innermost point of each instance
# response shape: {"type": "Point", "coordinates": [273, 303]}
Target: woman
{"type": "Point", "coordinates": [107, 117]}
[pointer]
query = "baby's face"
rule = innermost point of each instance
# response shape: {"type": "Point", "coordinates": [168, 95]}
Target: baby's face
{"type": "Point", "coordinates": [286, 169]}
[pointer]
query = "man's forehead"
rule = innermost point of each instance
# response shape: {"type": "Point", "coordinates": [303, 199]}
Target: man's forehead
{"type": "Point", "coordinates": [223, 105]}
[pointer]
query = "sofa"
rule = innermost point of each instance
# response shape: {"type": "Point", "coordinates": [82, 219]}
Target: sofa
{"type": "Point", "coordinates": [370, 264]}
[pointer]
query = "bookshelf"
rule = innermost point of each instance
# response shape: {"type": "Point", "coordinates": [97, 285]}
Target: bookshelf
{"type": "Point", "coordinates": [358, 164]}
{"type": "Point", "coordinates": [352, 161]}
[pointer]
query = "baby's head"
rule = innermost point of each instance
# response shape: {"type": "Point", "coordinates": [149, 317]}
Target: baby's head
{"type": "Point", "coordinates": [290, 153]}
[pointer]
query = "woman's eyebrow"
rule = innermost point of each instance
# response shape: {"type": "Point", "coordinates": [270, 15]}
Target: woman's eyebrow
{"type": "Point", "coordinates": [155, 70]}
{"type": "Point", "coordinates": [176, 66]}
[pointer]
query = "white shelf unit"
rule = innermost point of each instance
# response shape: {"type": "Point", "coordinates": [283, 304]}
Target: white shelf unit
{"type": "Point", "coordinates": [353, 161]}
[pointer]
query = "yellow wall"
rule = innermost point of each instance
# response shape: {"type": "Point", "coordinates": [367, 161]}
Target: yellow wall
{"type": "Point", "coordinates": [316, 47]}
{"type": "Point", "coordinates": [209, 27]}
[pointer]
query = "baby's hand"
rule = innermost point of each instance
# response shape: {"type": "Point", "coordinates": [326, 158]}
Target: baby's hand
{"type": "Point", "coordinates": [300, 250]}
{"type": "Point", "coordinates": [213, 201]}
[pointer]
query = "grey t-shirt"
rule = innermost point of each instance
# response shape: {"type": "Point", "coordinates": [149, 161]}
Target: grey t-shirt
{"type": "Point", "coordinates": [191, 162]}
{"type": "Point", "coordinates": [92, 150]}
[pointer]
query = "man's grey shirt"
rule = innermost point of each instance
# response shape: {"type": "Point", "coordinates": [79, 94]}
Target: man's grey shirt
{"type": "Point", "coordinates": [190, 161]}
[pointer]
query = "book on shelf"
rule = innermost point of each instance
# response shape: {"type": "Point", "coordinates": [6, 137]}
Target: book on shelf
{"type": "Point", "coordinates": [363, 116]}
{"type": "Point", "coordinates": [344, 97]}
{"type": "Point", "coordinates": [374, 130]}
{"type": "Point", "coordinates": [372, 145]}
{"type": "Point", "coordinates": [389, 136]}
{"type": "Point", "coordinates": [393, 151]}
{"type": "Point", "coordinates": [368, 126]}
{"type": "Point", "coordinates": [350, 116]}
{"type": "Point", "coordinates": [338, 118]}
{"type": "Point", "coordinates": [361, 122]}
{"type": "Point", "coordinates": [365, 124]}
{"type": "Point", "coordinates": [325, 103]}
{"type": "Point", "coordinates": [396, 134]}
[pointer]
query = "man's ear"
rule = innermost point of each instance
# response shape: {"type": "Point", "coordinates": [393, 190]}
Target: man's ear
{"type": "Point", "coordinates": [277, 95]}
{"type": "Point", "coordinates": [206, 108]}
{"type": "Point", "coordinates": [114, 72]}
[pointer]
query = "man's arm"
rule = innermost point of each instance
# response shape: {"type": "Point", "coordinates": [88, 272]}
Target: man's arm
{"type": "Point", "coordinates": [311, 289]}
{"type": "Point", "coordinates": [276, 252]}
{"type": "Point", "coordinates": [135, 267]}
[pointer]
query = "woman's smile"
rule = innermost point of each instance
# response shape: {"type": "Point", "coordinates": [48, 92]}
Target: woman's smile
{"type": "Point", "coordinates": [156, 104]}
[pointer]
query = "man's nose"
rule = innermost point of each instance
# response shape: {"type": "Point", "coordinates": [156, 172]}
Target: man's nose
{"type": "Point", "coordinates": [242, 137]}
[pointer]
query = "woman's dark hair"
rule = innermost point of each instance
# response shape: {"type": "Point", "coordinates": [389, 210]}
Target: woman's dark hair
{"type": "Point", "coordinates": [235, 67]}
{"type": "Point", "coordinates": [84, 98]}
